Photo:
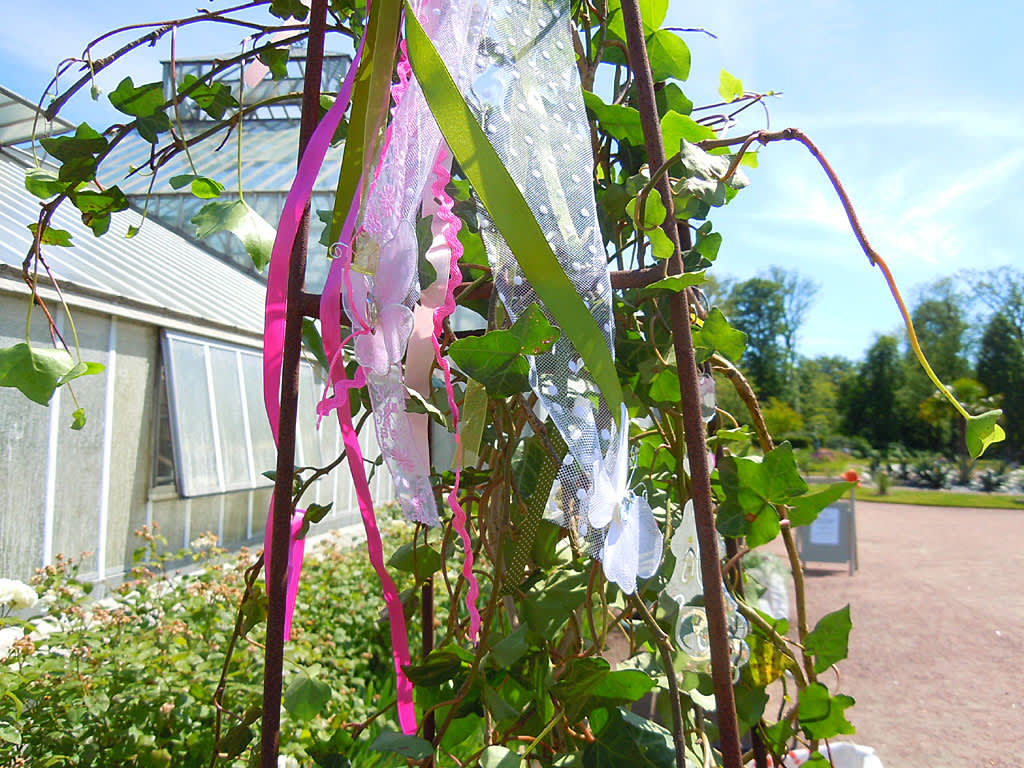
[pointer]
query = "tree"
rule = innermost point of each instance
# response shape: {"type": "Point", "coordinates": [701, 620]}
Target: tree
{"type": "Point", "coordinates": [757, 307]}
{"type": "Point", "coordinates": [1001, 369]}
{"type": "Point", "coordinates": [817, 387]}
{"type": "Point", "coordinates": [940, 319]}
{"type": "Point", "coordinates": [868, 400]}
{"type": "Point", "coordinates": [798, 294]}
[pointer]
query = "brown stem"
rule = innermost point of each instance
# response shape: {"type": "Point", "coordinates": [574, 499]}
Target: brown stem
{"type": "Point", "coordinates": [661, 640]}
{"type": "Point", "coordinates": [693, 423]}
{"type": "Point", "coordinates": [281, 523]}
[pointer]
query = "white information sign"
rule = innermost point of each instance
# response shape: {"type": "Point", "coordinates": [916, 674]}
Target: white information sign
{"type": "Point", "coordinates": [825, 530]}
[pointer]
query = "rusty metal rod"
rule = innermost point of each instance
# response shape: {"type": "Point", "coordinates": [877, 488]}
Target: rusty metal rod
{"type": "Point", "coordinates": [693, 424]}
{"type": "Point", "coordinates": [281, 524]}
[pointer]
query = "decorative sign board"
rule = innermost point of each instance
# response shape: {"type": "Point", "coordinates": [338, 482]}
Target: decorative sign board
{"type": "Point", "coordinates": [832, 537]}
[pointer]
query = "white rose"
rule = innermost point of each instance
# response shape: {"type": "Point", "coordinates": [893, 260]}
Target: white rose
{"type": "Point", "coordinates": [17, 595]}
{"type": "Point", "coordinates": [287, 761]}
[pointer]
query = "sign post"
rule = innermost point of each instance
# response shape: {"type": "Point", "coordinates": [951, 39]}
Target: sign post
{"type": "Point", "coordinates": [832, 537]}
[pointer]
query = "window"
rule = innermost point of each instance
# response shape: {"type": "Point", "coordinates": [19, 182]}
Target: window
{"type": "Point", "coordinates": [216, 418]}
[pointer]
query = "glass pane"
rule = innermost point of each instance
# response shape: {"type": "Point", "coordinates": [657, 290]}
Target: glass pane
{"type": "Point", "coordinates": [190, 415]}
{"type": "Point", "coordinates": [234, 455]}
{"type": "Point", "coordinates": [263, 450]}
{"type": "Point", "coordinates": [163, 460]}
{"type": "Point", "coordinates": [309, 439]}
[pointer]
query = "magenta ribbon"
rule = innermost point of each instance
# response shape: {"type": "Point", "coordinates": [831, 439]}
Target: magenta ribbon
{"type": "Point", "coordinates": [451, 235]}
{"type": "Point", "coordinates": [273, 350]}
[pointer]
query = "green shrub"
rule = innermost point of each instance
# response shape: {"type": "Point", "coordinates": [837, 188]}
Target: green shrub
{"type": "Point", "coordinates": [130, 680]}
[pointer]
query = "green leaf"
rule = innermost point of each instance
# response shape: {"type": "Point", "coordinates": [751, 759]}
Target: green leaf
{"type": "Point", "coordinates": [289, 9]}
{"type": "Point", "coordinates": [675, 283]}
{"type": "Point", "coordinates": [85, 143]}
{"type": "Point", "coordinates": [412, 747]}
{"type": "Point", "coordinates": [661, 246]}
{"type": "Point", "coordinates": [829, 641]}
{"type": "Point", "coordinates": [449, 662]}
{"type": "Point", "coordinates": [716, 335]}
{"type": "Point", "coordinates": [549, 602]}
{"type": "Point", "coordinates": [498, 358]}
{"type": "Point", "coordinates": [654, 211]}
{"type": "Point", "coordinates": [421, 561]}
{"type": "Point", "coordinates": [499, 757]}
{"type": "Point", "coordinates": [202, 187]}
{"type": "Point", "coordinates": [630, 740]}
{"type": "Point", "coordinates": [78, 419]}
{"type": "Point", "coordinates": [665, 386]}
{"type": "Point", "coordinates": [511, 647]}
{"type": "Point", "coordinates": [234, 741]}
{"type": "Point", "coordinates": [305, 697]}
{"type": "Point", "coordinates": [821, 716]}
{"type": "Point", "coordinates": [97, 206]}
{"type": "Point", "coordinates": [669, 56]}
{"type": "Point", "coordinates": [214, 99]}
{"type": "Point", "coordinates": [424, 239]}
{"type": "Point", "coordinates": [618, 121]}
{"type": "Point", "coordinates": [312, 341]}
{"type": "Point", "coordinates": [276, 60]}
{"type": "Point", "coordinates": [672, 98]}
{"type": "Point", "coordinates": [675, 128]}
{"type": "Point", "coordinates": [141, 101]}
{"type": "Point", "coordinates": [730, 88]}
{"type": "Point", "coordinates": [472, 422]}
{"type": "Point", "coordinates": [754, 487]}
{"type": "Point", "coordinates": [502, 198]}
{"type": "Point", "coordinates": [807, 508]}
{"type": "Point", "coordinates": [43, 183]}
{"type": "Point", "coordinates": [36, 372]}
{"type": "Point", "coordinates": [52, 236]}
{"type": "Point", "coordinates": [243, 222]}
{"type": "Point", "coordinates": [982, 431]}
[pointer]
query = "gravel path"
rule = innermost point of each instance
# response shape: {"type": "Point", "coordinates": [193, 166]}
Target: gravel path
{"type": "Point", "coordinates": [937, 649]}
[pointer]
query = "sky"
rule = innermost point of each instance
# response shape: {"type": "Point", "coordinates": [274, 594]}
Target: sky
{"type": "Point", "coordinates": [916, 104]}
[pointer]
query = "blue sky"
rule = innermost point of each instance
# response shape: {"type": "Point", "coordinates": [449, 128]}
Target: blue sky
{"type": "Point", "coordinates": [916, 104]}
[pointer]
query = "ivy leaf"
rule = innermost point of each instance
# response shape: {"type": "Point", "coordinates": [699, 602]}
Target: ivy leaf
{"type": "Point", "coordinates": [717, 335]}
{"type": "Point", "coordinates": [96, 207]}
{"type": "Point", "coordinates": [498, 358]}
{"type": "Point", "coordinates": [141, 101]}
{"type": "Point", "coordinates": [661, 246]}
{"type": "Point", "coordinates": [654, 211]}
{"type": "Point", "coordinates": [669, 56]}
{"type": "Point", "coordinates": [807, 508]}
{"type": "Point", "coordinates": [754, 488]}
{"type": "Point", "coordinates": [449, 662]}
{"type": "Point", "coordinates": [52, 236]}
{"type": "Point", "coordinates": [412, 747]}
{"type": "Point", "coordinates": [78, 419]}
{"type": "Point", "coordinates": [499, 757]}
{"type": "Point", "coordinates": [243, 222]}
{"type": "Point", "coordinates": [313, 342]}
{"type": "Point", "coordinates": [306, 697]}
{"type": "Point", "coordinates": [214, 99]}
{"type": "Point", "coordinates": [288, 9]}
{"type": "Point", "coordinates": [982, 431]}
{"type": "Point", "coordinates": [277, 60]}
{"type": "Point", "coordinates": [43, 183]}
{"type": "Point", "coordinates": [671, 97]}
{"type": "Point", "coordinates": [77, 153]}
{"type": "Point", "coordinates": [618, 121]}
{"type": "Point", "coordinates": [675, 283]}
{"type": "Point", "coordinates": [146, 104]}
{"type": "Point", "coordinates": [422, 562]}
{"type": "Point", "coordinates": [767, 663]}
{"type": "Point", "coordinates": [548, 604]}
{"type": "Point", "coordinates": [730, 87]}
{"type": "Point", "coordinates": [676, 128]}
{"type": "Point", "coordinates": [628, 739]}
{"type": "Point", "coordinates": [202, 187]}
{"type": "Point", "coordinates": [829, 641]}
{"type": "Point", "coordinates": [821, 716]}
{"type": "Point", "coordinates": [36, 372]}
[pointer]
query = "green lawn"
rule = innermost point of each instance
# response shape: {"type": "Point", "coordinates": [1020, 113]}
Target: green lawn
{"type": "Point", "coordinates": [943, 498]}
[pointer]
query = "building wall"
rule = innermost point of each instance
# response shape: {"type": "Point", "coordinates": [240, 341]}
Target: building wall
{"type": "Point", "coordinates": [89, 491]}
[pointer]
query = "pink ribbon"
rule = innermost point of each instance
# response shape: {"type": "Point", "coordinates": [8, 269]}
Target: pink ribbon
{"type": "Point", "coordinates": [273, 349]}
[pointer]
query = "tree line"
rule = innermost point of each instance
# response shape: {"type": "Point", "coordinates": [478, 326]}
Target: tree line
{"type": "Point", "coordinates": [970, 325]}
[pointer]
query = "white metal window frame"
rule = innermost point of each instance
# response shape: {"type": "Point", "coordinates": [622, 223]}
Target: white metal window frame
{"type": "Point", "coordinates": [190, 409]}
